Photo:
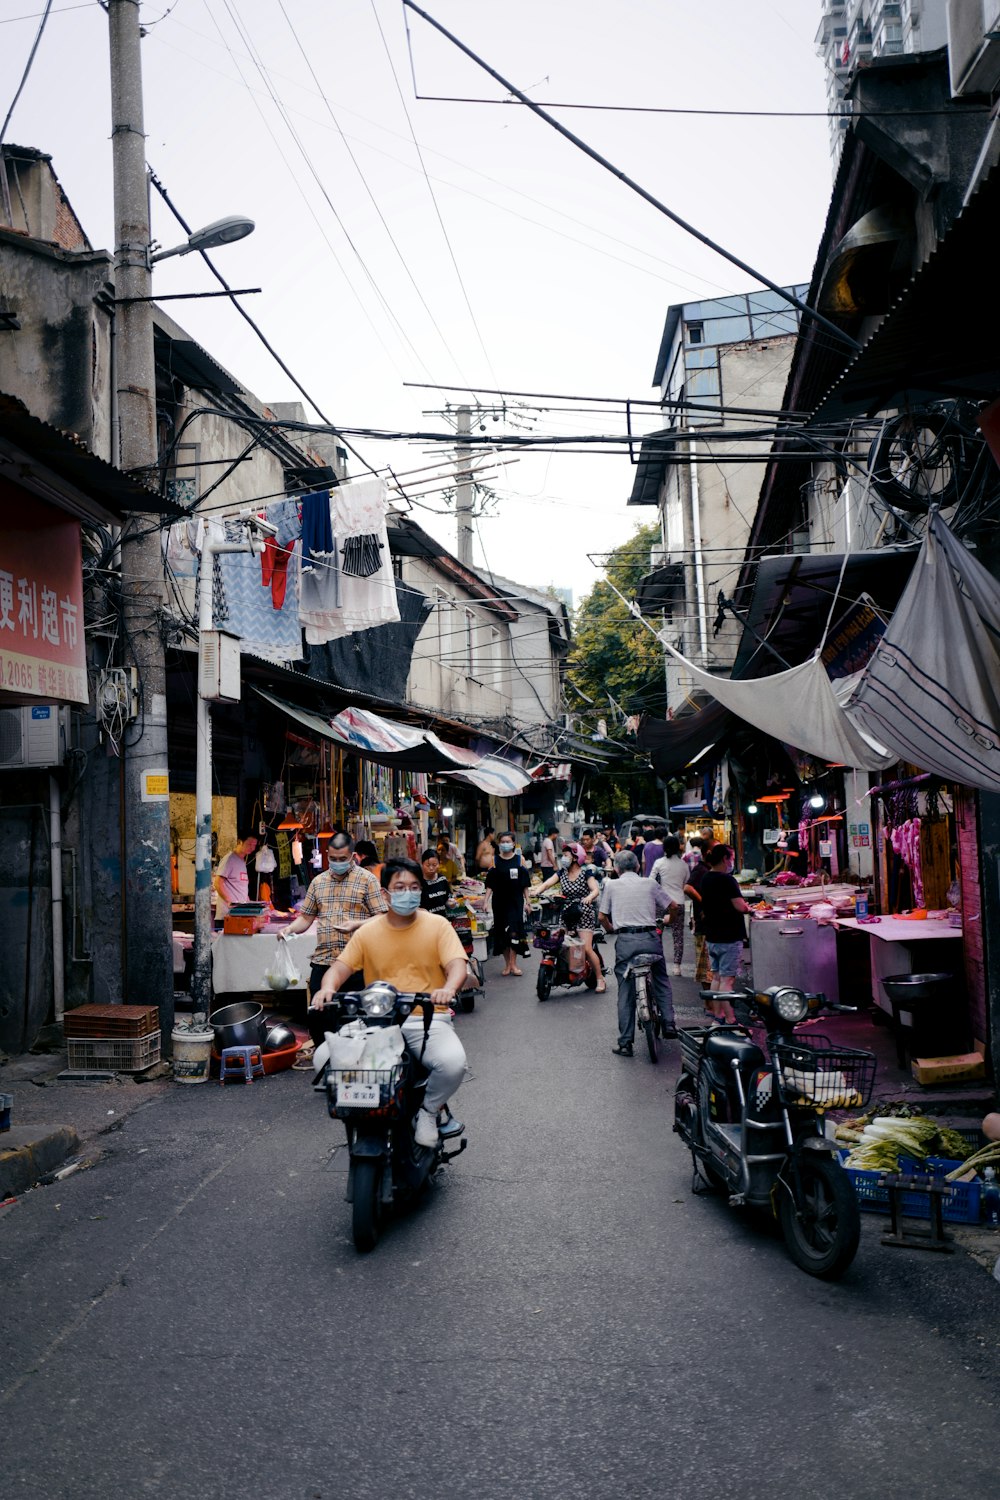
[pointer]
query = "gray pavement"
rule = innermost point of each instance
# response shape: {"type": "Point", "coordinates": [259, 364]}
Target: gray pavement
{"type": "Point", "coordinates": [560, 1318]}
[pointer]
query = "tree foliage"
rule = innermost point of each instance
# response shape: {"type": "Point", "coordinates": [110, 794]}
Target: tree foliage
{"type": "Point", "coordinates": [612, 652]}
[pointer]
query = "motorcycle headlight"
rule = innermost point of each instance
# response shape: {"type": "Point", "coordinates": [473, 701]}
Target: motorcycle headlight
{"type": "Point", "coordinates": [790, 1004]}
{"type": "Point", "coordinates": [378, 999]}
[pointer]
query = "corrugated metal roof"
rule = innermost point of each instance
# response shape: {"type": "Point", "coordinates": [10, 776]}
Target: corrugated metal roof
{"type": "Point", "coordinates": [112, 494]}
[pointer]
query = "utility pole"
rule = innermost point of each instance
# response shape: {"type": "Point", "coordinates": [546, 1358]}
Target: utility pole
{"type": "Point", "coordinates": [463, 486]}
{"type": "Point", "coordinates": [146, 896]}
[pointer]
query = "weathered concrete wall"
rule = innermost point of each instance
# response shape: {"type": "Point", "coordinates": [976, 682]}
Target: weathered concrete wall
{"type": "Point", "coordinates": [438, 677]}
{"type": "Point", "coordinates": [59, 361]}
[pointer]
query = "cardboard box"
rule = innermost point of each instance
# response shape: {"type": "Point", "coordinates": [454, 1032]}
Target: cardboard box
{"type": "Point", "coordinates": [966, 1067]}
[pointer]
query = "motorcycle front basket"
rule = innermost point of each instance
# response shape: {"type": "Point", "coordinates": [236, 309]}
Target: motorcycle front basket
{"type": "Point", "coordinates": [388, 1082]}
{"type": "Point", "coordinates": [824, 1077]}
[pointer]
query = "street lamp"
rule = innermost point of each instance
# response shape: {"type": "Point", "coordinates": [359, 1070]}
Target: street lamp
{"type": "Point", "coordinates": [221, 232]}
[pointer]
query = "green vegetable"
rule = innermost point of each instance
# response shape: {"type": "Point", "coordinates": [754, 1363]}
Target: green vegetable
{"type": "Point", "coordinates": [950, 1143]}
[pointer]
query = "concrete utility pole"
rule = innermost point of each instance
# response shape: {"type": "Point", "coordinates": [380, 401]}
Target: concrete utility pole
{"type": "Point", "coordinates": [463, 486]}
{"type": "Point", "coordinates": [146, 914]}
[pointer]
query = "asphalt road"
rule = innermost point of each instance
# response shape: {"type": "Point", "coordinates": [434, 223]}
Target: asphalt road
{"type": "Point", "coordinates": [560, 1318]}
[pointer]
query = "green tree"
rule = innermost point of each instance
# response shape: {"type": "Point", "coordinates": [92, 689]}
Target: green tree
{"type": "Point", "coordinates": [613, 653]}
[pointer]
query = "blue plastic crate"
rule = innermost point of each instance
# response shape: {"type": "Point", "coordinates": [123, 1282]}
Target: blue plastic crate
{"type": "Point", "coordinates": [873, 1198]}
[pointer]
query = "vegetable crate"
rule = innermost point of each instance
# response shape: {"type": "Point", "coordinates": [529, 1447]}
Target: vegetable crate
{"type": "Point", "coordinates": [113, 1053]}
{"type": "Point", "coordinates": [961, 1208]}
{"type": "Point", "coordinates": [109, 1021]}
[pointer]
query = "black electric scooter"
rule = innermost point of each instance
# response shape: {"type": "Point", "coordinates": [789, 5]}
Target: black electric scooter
{"type": "Point", "coordinates": [378, 1107]}
{"type": "Point", "coordinates": [751, 1111]}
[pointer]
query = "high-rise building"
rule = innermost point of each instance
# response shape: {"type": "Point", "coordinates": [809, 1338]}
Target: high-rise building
{"type": "Point", "coordinates": [852, 32]}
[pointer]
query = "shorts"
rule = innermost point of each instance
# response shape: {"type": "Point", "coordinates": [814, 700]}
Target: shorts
{"type": "Point", "coordinates": [724, 959]}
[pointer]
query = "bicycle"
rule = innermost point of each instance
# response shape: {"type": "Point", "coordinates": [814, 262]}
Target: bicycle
{"type": "Point", "coordinates": [647, 1012]}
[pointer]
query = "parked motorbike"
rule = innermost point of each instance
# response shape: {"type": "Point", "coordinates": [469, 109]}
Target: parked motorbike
{"type": "Point", "coordinates": [460, 917]}
{"type": "Point", "coordinates": [378, 1107]}
{"type": "Point", "coordinates": [564, 958]}
{"type": "Point", "coordinates": [751, 1108]}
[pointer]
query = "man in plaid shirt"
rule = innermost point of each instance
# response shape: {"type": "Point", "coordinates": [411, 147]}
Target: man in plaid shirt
{"type": "Point", "coordinates": [338, 901]}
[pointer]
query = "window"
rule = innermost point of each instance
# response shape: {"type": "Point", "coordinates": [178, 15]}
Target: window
{"type": "Point", "coordinates": [495, 674]}
{"type": "Point", "coordinates": [696, 333]}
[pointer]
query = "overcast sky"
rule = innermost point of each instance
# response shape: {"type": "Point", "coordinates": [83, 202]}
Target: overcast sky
{"type": "Point", "coordinates": [519, 263]}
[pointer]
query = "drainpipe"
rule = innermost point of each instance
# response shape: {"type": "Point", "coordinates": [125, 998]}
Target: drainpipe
{"type": "Point", "coordinates": [699, 561]}
{"type": "Point", "coordinates": [58, 944]}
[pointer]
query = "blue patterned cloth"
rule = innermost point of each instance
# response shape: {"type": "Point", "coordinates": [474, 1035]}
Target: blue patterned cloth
{"type": "Point", "coordinates": [274, 634]}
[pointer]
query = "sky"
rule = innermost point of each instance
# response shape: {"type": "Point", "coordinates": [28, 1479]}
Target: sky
{"type": "Point", "coordinates": [404, 239]}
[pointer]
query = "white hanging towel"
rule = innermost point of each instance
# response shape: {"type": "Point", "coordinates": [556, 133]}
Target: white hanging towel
{"type": "Point", "coordinates": [367, 589]}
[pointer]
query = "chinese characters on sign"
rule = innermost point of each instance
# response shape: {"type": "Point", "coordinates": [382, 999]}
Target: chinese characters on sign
{"type": "Point", "coordinates": [42, 647]}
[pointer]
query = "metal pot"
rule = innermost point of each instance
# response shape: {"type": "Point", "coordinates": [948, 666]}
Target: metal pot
{"type": "Point", "coordinates": [237, 1025]}
{"type": "Point", "coordinates": [279, 1036]}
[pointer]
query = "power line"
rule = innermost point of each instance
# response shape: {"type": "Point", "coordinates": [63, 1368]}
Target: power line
{"type": "Point", "coordinates": [243, 32]}
{"type": "Point", "coordinates": [437, 210]}
{"type": "Point", "coordinates": [27, 70]}
{"type": "Point", "coordinates": [602, 161]}
{"type": "Point", "coordinates": [392, 240]}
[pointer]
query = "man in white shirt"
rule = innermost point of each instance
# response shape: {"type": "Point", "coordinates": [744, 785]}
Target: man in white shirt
{"type": "Point", "coordinates": [631, 907]}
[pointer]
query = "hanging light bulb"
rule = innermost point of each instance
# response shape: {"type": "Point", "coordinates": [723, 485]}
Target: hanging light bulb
{"type": "Point", "coordinates": [817, 801]}
{"type": "Point", "coordinates": [751, 808]}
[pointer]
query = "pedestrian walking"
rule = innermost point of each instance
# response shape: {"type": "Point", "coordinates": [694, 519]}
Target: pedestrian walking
{"type": "Point", "coordinates": [338, 901]}
{"type": "Point", "coordinates": [671, 873]}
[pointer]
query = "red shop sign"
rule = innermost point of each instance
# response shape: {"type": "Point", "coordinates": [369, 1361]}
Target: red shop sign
{"type": "Point", "coordinates": [42, 647]}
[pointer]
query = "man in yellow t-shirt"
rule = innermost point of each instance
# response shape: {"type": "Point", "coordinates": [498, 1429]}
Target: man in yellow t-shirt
{"type": "Point", "coordinates": [415, 951]}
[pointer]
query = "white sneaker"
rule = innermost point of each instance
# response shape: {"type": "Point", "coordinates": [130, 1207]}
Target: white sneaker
{"type": "Point", "coordinates": [425, 1131]}
{"type": "Point", "coordinates": [676, 971]}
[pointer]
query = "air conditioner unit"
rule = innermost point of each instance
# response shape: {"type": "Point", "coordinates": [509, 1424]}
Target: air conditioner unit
{"type": "Point", "coordinates": [219, 666]}
{"type": "Point", "coordinates": [36, 735]}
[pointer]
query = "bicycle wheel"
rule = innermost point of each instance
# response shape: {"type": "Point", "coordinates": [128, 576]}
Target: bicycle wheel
{"type": "Point", "coordinates": [643, 1008]}
{"type": "Point", "coordinates": [919, 460]}
{"type": "Point", "coordinates": [543, 982]}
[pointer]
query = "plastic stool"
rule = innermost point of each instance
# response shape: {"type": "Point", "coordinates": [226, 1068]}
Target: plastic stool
{"type": "Point", "coordinates": [241, 1062]}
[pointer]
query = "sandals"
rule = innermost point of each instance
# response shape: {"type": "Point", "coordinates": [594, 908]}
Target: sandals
{"type": "Point", "coordinates": [601, 989]}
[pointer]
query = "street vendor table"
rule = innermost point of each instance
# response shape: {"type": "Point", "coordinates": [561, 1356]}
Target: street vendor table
{"type": "Point", "coordinates": [240, 963]}
{"type": "Point", "coordinates": [899, 946]}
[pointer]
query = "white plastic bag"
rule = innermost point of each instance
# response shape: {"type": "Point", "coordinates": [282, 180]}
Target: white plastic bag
{"type": "Point", "coordinates": [344, 1047]}
{"type": "Point", "coordinates": [384, 1047]}
{"type": "Point", "coordinates": [282, 974]}
{"type": "Point", "coordinates": [265, 860]}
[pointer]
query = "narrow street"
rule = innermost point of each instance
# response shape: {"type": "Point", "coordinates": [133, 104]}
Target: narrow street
{"type": "Point", "coordinates": [560, 1318]}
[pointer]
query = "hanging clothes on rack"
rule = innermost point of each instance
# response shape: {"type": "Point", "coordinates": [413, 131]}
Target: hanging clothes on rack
{"type": "Point", "coordinates": [366, 592]}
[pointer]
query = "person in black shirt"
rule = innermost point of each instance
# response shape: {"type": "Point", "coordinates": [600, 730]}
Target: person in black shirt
{"type": "Point", "coordinates": [722, 910]}
{"type": "Point", "coordinates": [437, 891]}
{"type": "Point", "coordinates": [507, 883]}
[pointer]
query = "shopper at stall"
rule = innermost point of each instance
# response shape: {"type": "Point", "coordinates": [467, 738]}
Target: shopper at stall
{"type": "Point", "coordinates": [582, 889]}
{"type": "Point", "coordinates": [506, 885]}
{"type": "Point", "coordinates": [450, 860]}
{"type": "Point", "coordinates": [436, 891]}
{"type": "Point", "coordinates": [671, 872]}
{"type": "Point", "coordinates": [724, 910]}
{"type": "Point", "coordinates": [232, 881]}
{"type": "Point", "coordinates": [417, 952]}
{"type": "Point", "coordinates": [631, 906]}
{"type": "Point", "coordinates": [696, 874]}
{"type": "Point", "coordinates": [549, 852]}
{"type": "Point", "coordinates": [338, 901]}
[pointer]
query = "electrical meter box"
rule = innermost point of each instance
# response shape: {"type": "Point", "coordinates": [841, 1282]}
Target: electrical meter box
{"type": "Point", "coordinates": [219, 666]}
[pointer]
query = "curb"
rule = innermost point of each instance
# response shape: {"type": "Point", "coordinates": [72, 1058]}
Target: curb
{"type": "Point", "coordinates": [26, 1157]}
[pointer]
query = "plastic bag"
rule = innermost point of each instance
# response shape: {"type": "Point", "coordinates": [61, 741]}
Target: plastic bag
{"type": "Point", "coordinates": [384, 1047]}
{"type": "Point", "coordinates": [344, 1047]}
{"type": "Point", "coordinates": [282, 974]}
{"type": "Point", "coordinates": [265, 860]}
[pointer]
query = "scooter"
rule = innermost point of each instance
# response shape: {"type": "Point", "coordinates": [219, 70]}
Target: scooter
{"type": "Point", "coordinates": [378, 1107]}
{"type": "Point", "coordinates": [564, 958]}
{"type": "Point", "coordinates": [458, 914]}
{"type": "Point", "coordinates": [752, 1113]}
